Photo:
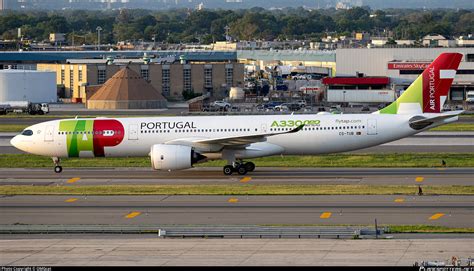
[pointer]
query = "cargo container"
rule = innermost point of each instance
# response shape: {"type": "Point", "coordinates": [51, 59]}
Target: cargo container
{"type": "Point", "coordinates": [359, 96]}
{"type": "Point", "coordinates": [27, 85]}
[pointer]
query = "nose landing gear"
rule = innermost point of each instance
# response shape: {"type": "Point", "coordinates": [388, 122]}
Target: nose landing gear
{"type": "Point", "coordinates": [58, 168]}
{"type": "Point", "coordinates": [240, 167]}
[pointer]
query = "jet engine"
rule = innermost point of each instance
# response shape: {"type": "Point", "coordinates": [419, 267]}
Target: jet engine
{"type": "Point", "coordinates": [173, 157]}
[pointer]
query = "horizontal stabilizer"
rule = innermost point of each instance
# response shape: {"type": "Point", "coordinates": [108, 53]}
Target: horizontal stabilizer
{"type": "Point", "coordinates": [421, 122]}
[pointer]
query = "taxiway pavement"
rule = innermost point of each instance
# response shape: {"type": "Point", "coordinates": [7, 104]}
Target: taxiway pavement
{"type": "Point", "coordinates": [228, 252]}
{"type": "Point", "coordinates": [449, 211]}
{"type": "Point", "coordinates": [262, 175]}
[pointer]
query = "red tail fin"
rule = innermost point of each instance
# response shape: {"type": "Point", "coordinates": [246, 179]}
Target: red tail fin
{"type": "Point", "coordinates": [437, 80]}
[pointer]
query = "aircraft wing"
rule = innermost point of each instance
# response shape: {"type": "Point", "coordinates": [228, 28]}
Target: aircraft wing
{"type": "Point", "coordinates": [232, 140]}
{"type": "Point", "coordinates": [242, 140]}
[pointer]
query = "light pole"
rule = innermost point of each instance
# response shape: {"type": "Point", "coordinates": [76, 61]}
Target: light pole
{"type": "Point", "coordinates": [98, 37]}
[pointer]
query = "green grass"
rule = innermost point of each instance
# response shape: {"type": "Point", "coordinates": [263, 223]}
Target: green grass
{"type": "Point", "coordinates": [459, 127]}
{"type": "Point", "coordinates": [236, 189]}
{"type": "Point", "coordinates": [363, 160]}
{"type": "Point", "coordinates": [391, 228]}
{"type": "Point", "coordinates": [388, 160]}
{"type": "Point", "coordinates": [12, 127]}
{"type": "Point", "coordinates": [426, 229]}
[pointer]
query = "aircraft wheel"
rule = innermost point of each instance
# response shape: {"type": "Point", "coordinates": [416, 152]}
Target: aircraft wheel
{"type": "Point", "coordinates": [242, 170]}
{"type": "Point", "coordinates": [58, 169]}
{"type": "Point", "coordinates": [228, 170]}
{"type": "Point", "coordinates": [250, 166]}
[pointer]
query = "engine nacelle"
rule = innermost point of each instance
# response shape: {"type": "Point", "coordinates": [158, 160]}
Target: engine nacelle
{"type": "Point", "coordinates": [173, 157]}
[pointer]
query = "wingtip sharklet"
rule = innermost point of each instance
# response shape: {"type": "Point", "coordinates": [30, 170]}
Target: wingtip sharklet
{"type": "Point", "coordinates": [297, 129]}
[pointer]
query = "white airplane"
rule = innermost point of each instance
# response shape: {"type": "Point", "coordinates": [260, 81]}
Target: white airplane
{"type": "Point", "coordinates": [175, 143]}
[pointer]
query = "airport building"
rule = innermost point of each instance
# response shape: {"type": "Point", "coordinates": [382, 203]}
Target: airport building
{"type": "Point", "coordinates": [324, 61]}
{"type": "Point", "coordinates": [404, 65]}
{"type": "Point", "coordinates": [169, 79]}
{"type": "Point", "coordinates": [21, 59]}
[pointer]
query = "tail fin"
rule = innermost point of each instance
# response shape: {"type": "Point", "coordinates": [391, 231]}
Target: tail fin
{"type": "Point", "coordinates": [428, 92]}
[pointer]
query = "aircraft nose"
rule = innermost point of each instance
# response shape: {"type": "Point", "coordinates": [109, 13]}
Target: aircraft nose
{"type": "Point", "coordinates": [15, 141]}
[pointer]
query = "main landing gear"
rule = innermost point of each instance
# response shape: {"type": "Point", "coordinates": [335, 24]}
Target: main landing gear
{"type": "Point", "coordinates": [240, 167]}
{"type": "Point", "coordinates": [57, 168]}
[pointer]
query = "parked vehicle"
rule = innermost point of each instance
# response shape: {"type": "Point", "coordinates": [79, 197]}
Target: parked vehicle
{"type": "Point", "coordinates": [288, 107]}
{"type": "Point", "coordinates": [470, 97]}
{"type": "Point", "coordinates": [335, 109]}
{"type": "Point", "coordinates": [446, 107]}
{"type": "Point", "coordinates": [281, 107]}
{"type": "Point", "coordinates": [210, 108]}
{"type": "Point", "coordinates": [24, 107]}
{"type": "Point", "coordinates": [294, 106]}
{"type": "Point", "coordinates": [271, 105]}
{"type": "Point", "coordinates": [301, 103]}
{"type": "Point", "coordinates": [222, 104]}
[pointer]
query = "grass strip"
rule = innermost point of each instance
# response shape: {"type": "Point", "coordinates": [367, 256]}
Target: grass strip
{"type": "Point", "coordinates": [457, 127]}
{"type": "Point", "coordinates": [426, 229]}
{"type": "Point", "coordinates": [6, 128]}
{"type": "Point", "coordinates": [236, 189]}
{"type": "Point", "coordinates": [382, 160]}
{"type": "Point", "coordinates": [392, 228]}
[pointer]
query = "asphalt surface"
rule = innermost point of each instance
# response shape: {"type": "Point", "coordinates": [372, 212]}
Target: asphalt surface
{"type": "Point", "coordinates": [456, 211]}
{"type": "Point", "coordinates": [124, 251]}
{"type": "Point", "coordinates": [262, 175]}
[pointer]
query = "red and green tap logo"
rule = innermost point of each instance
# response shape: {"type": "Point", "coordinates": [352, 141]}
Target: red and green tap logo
{"type": "Point", "coordinates": [91, 135]}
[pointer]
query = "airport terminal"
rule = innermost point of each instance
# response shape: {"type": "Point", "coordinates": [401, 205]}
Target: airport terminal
{"type": "Point", "coordinates": [355, 150]}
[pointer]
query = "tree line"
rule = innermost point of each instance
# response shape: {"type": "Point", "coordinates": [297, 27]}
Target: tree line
{"type": "Point", "coordinates": [207, 26]}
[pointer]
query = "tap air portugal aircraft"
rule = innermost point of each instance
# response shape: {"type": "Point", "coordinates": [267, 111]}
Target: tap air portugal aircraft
{"type": "Point", "coordinates": [175, 143]}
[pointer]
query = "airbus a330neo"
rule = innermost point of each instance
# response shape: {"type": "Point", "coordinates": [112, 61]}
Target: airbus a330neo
{"type": "Point", "coordinates": [175, 143]}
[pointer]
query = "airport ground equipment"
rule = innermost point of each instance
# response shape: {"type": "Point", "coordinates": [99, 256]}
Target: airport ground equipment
{"type": "Point", "coordinates": [24, 107]}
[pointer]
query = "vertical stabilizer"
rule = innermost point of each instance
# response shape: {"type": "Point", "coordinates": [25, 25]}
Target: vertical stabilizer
{"type": "Point", "coordinates": [427, 94]}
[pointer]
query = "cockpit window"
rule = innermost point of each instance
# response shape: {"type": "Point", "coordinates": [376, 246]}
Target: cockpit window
{"type": "Point", "coordinates": [27, 132]}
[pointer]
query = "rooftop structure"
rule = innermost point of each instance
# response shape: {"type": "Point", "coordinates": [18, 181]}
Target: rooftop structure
{"type": "Point", "coordinates": [63, 56]}
{"type": "Point", "coordinates": [126, 90]}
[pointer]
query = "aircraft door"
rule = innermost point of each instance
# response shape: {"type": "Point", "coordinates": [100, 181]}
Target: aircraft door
{"type": "Point", "coordinates": [264, 128]}
{"type": "Point", "coordinates": [372, 127]}
{"type": "Point", "coordinates": [49, 134]}
{"type": "Point", "coordinates": [133, 132]}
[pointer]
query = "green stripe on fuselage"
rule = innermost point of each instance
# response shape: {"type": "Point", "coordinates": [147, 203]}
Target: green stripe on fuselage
{"type": "Point", "coordinates": [79, 136]}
